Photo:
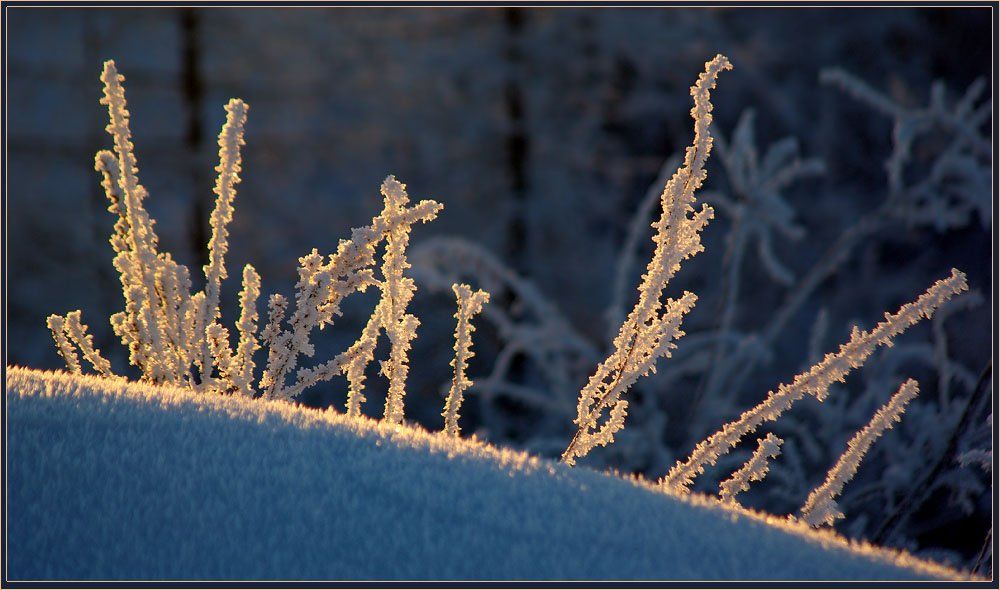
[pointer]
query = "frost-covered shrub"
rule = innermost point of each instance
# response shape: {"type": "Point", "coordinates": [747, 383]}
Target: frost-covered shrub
{"type": "Point", "coordinates": [174, 336]}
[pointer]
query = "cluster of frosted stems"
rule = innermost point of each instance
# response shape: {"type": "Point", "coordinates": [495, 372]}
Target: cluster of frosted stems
{"type": "Point", "coordinates": [653, 325]}
{"type": "Point", "coordinates": [816, 381]}
{"type": "Point", "coordinates": [175, 337]}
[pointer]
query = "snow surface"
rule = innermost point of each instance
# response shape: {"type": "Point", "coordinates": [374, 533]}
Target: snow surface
{"type": "Point", "coordinates": [115, 480]}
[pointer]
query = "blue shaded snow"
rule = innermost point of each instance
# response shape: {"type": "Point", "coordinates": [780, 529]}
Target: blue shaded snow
{"type": "Point", "coordinates": [108, 480]}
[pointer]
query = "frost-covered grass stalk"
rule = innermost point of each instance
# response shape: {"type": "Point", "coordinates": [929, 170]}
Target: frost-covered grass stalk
{"type": "Point", "coordinates": [142, 327]}
{"type": "Point", "coordinates": [397, 292]}
{"type": "Point", "coordinates": [650, 329]}
{"type": "Point", "coordinates": [755, 469]}
{"type": "Point", "coordinates": [816, 381]}
{"type": "Point", "coordinates": [229, 168]}
{"type": "Point", "coordinates": [247, 328]}
{"type": "Point", "coordinates": [57, 324]}
{"type": "Point", "coordinates": [821, 506]}
{"type": "Point", "coordinates": [77, 332]}
{"type": "Point", "coordinates": [355, 360]}
{"type": "Point", "coordinates": [70, 335]}
{"type": "Point", "coordinates": [469, 303]}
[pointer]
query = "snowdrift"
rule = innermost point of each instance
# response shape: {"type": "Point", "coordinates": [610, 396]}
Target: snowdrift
{"type": "Point", "coordinates": [114, 480]}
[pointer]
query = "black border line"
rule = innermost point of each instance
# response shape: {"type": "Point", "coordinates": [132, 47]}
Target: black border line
{"type": "Point", "coordinates": [492, 4]}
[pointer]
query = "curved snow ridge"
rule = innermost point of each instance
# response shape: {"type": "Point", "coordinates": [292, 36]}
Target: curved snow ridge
{"type": "Point", "coordinates": [109, 479]}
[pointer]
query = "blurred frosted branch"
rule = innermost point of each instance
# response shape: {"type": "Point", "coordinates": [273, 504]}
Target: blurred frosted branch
{"type": "Point", "coordinates": [758, 210]}
{"type": "Point", "coordinates": [955, 183]}
{"type": "Point", "coordinates": [925, 484]}
{"type": "Point", "coordinates": [628, 253]}
{"type": "Point", "coordinates": [543, 335]}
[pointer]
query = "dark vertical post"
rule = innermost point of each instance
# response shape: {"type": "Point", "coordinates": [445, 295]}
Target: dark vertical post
{"type": "Point", "coordinates": [193, 90]}
{"type": "Point", "coordinates": [517, 147]}
{"type": "Point", "coordinates": [517, 143]}
{"type": "Point", "coordinates": [106, 280]}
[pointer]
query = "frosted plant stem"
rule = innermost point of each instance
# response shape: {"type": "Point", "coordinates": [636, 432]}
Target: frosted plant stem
{"type": "Point", "coordinates": [397, 290]}
{"type": "Point", "coordinates": [469, 304]}
{"type": "Point", "coordinates": [322, 287]}
{"type": "Point", "coordinates": [141, 238]}
{"type": "Point", "coordinates": [816, 381]}
{"type": "Point", "coordinates": [653, 325]}
{"type": "Point", "coordinates": [599, 406]}
{"type": "Point", "coordinates": [77, 332]}
{"type": "Point", "coordinates": [229, 168]}
{"type": "Point", "coordinates": [821, 506]}
{"type": "Point", "coordinates": [356, 359]}
{"type": "Point", "coordinates": [247, 328]}
{"type": "Point", "coordinates": [755, 469]}
{"type": "Point", "coordinates": [57, 324]}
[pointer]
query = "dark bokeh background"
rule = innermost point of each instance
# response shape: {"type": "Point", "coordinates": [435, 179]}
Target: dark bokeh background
{"type": "Point", "coordinates": [541, 130]}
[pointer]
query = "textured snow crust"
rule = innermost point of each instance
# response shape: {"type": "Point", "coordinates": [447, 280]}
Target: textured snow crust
{"type": "Point", "coordinates": [115, 480]}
